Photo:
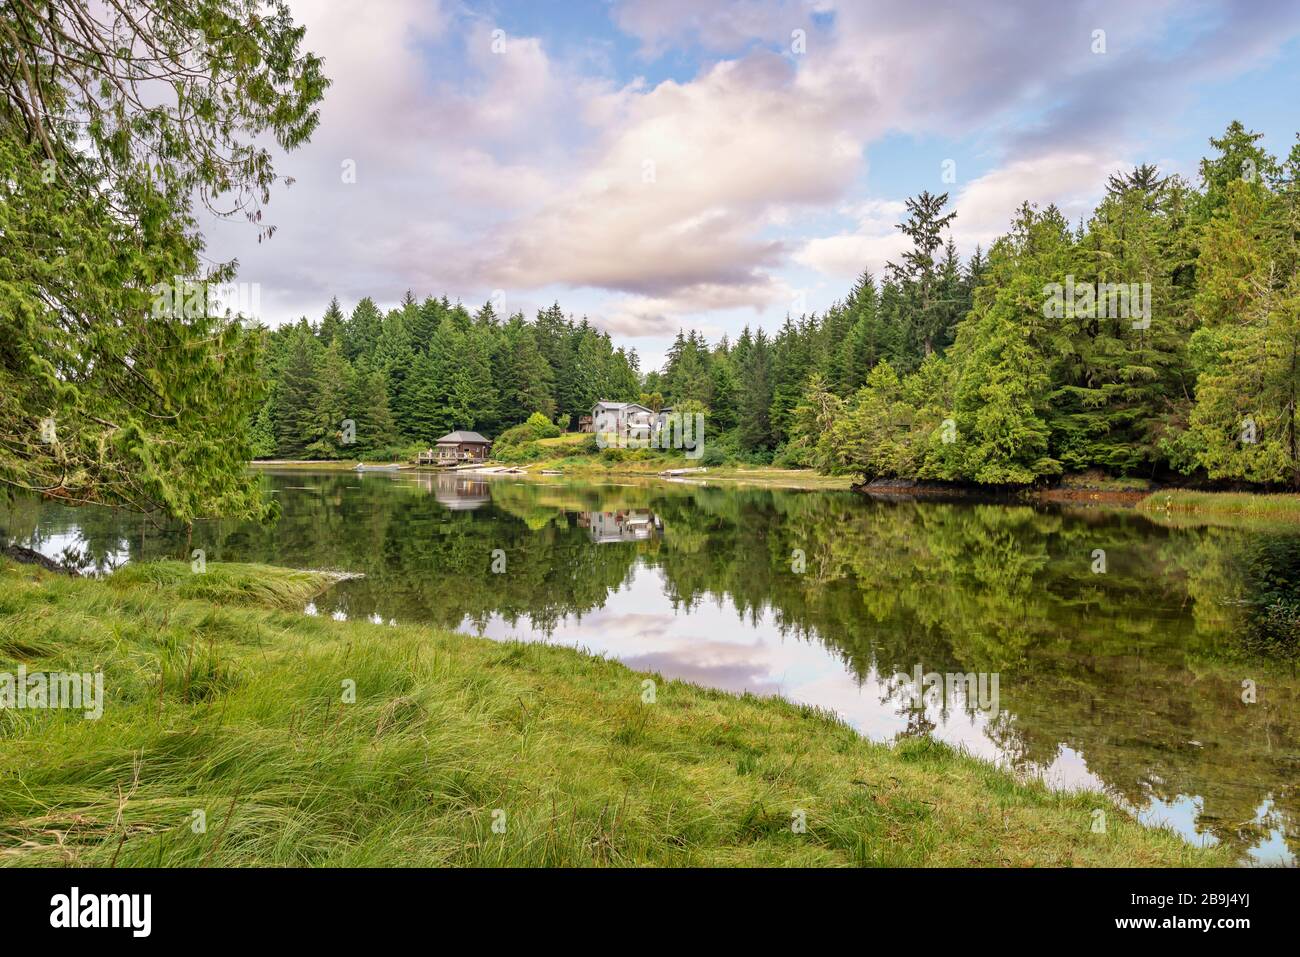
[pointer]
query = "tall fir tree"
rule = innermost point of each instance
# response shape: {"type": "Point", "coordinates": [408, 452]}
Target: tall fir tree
{"type": "Point", "coordinates": [294, 397]}
{"type": "Point", "coordinates": [331, 324]}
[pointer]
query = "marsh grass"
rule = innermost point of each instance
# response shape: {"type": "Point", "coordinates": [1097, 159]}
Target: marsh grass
{"type": "Point", "coordinates": [223, 698]}
{"type": "Point", "coordinates": [1238, 509]}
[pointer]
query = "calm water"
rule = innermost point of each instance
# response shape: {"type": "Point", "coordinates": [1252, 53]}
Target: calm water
{"type": "Point", "coordinates": [1122, 677]}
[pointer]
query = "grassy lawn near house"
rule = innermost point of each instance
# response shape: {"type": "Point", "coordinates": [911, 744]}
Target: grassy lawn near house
{"type": "Point", "coordinates": [568, 440]}
{"type": "Point", "coordinates": [223, 698]}
{"type": "Point", "coordinates": [595, 466]}
{"type": "Point", "coordinates": [570, 454]}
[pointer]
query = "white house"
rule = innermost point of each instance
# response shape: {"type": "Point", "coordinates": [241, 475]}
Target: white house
{"type": "Point", "coordinates": [619, 424]}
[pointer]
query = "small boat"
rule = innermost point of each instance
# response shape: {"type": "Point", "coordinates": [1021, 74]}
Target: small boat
{"type": "Point", "coordinates": [362, 467]}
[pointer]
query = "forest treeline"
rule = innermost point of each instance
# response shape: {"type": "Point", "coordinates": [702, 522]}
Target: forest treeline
{"type": "Point", "coordinates": [424, 369]}
{"type": "Point", "coordinates": [1174, 350]}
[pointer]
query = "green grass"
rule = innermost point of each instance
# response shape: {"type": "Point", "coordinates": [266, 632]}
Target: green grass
{"type": "Point", "coordinates": [567, 440]}
{"type": "Point", "coordinates": [1238, 508]}
{"type": "Point", "coordinates": [223, 698]}
{"type": "Point", "coordinates": [229, 582]}
{"type": "Point", "coordinates": [597, 466]}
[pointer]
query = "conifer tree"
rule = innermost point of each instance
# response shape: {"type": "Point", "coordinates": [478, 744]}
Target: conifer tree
{"type": "Point", "coordinates": [754, 371]}
{"type": "Point", "coordinates": [331, 324]}
{"type": "Point", "coordinates": [376, 429]}
{"type": "Point", "coordinates": [361, 330]}
{"type": "Point", "coordinates": [327, 435]}
{"type": "Point", "coordinates": [295, 396]}
{"type": "Point", "coordinates": [917, 276]}
{"type": "Point", "coordinates": [529, 380]}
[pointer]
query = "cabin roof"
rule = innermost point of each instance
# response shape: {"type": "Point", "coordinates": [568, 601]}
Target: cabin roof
{"type": "Point", "coordinates": [615, 406]}
{"type": "Point", "coordinates": [461, 436]}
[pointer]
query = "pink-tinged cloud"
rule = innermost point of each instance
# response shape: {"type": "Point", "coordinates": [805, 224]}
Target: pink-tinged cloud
{"type": "Point", "coordinates": [676, 202]}
{"type": "Point", "coordinates": [1073, 181]}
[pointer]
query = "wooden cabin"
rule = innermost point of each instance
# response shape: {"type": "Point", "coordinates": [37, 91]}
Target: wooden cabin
{"type": "Point", "coordinates": [460, 448]}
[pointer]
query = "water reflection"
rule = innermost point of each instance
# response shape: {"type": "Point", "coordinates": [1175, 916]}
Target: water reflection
{"type": "Point", "coordinates": [1125, 679]}
{"type": "Point", "coordinates": [624, 525]}
{"type": "Point", "coordinates": [456, 492]}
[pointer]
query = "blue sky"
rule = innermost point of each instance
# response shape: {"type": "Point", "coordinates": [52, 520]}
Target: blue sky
{"type": "Point", "coordinates": [657, 164]}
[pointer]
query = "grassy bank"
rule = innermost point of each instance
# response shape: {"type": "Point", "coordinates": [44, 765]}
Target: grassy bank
{"type": "Point", "coordinates": [1178, 506]}
{"type": "Point", "coordinates": [764, 476]}
{"type": "Point", "coordinates": [222, 697]}
{"type": "Point", "coordinates": [597, 468]}
{"type": "Point", "coordinates": [574, 454]}
{"type": "Point", "coordinates": [1247, 509]}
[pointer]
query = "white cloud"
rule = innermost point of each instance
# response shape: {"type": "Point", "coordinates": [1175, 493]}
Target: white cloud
{"type": "Point", "coordinates": [683, 200]}
{"type": "Point", "coordinates": [1074, 181]}
{"type": "Point", "coordinates": [875, 242]}
{"type": "Point", "coordinates": [670, 203]}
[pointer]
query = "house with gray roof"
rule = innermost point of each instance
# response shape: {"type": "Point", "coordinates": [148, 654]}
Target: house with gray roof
{"type": "Point", "coordinates": [456, 448]}
{"type": "Point", "coordinates": [618, 424]}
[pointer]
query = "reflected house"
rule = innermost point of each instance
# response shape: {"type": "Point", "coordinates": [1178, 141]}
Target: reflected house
{"type": "Point", "coordinates": [626, 525]}
{"type": "Point", "coordinates": [460, 493]}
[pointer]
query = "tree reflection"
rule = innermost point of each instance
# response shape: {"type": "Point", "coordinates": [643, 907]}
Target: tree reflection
{"type": "Point", "coordinates": [1138, 668]}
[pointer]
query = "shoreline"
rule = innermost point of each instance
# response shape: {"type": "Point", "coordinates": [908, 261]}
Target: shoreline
{"type": "Point", "coordinates": [1071, 494]}
{"type": "Point", "coordinates": [794, 479]}
{"type": "Point", "coordinates": [1171, 503]}
{"type": "Point", "coordinates": [444, 732]}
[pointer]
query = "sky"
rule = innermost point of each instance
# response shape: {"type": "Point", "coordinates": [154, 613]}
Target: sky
{"type": "Point", "coordinates": [656, 165]}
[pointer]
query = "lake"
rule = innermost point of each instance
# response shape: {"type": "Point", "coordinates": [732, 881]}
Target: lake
{"type": "Point", "coordinates": [1105, 649]}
